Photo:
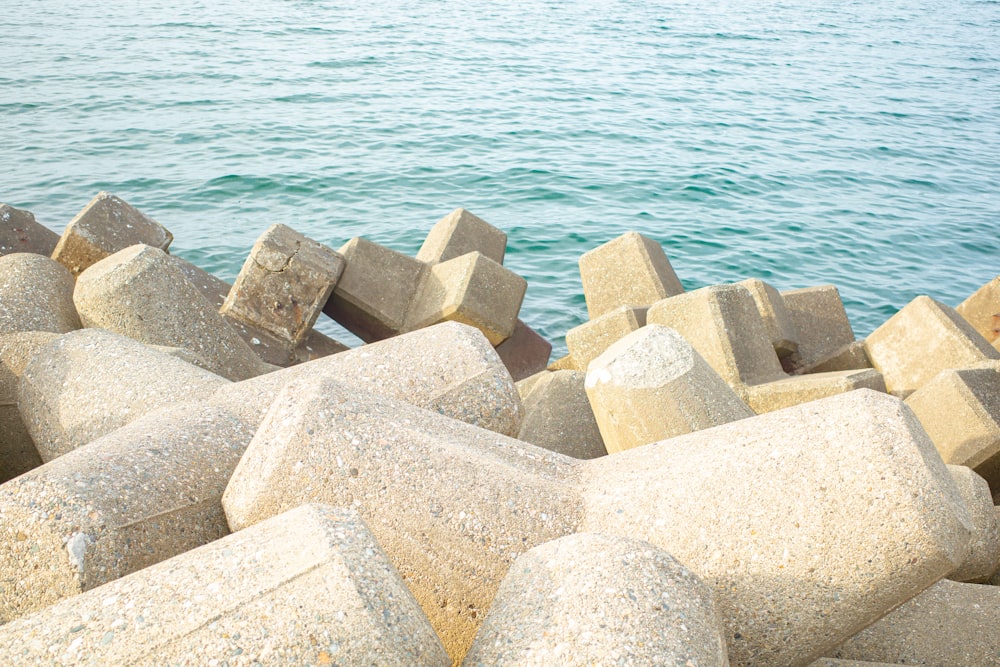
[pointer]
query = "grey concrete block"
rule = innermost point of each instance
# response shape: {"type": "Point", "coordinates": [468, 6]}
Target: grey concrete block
{"type": "Point", "coordinates": [18, 454]}
{"type": "Point", "coordinates": [984, 549]}
{"type": "Point", "coordinates": [461, 232]}
{"type": "Point", "coordinates": [36, 294]}
{"type": "Point", "coordinates": [525, 352]}
{"type": "Point", "coordinates": [558, 417]}
{"type": "Point", "coordinates": [19, 232]}
{"type": "Point", "coordinates": [631, 270]}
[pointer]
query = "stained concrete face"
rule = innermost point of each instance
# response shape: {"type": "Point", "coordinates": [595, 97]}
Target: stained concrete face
{"type": "Point", "coordinates": [589, 340]}
{"type": "Point", "coordinates": [984, 549]}
{"type": "Point", "coordinates": [461, 232]}
{"type": "Point", "coordinates": [525, 352]}
{"type": "Point", "coordinates": [920, 341]}
{"type": "Point", "coordinates": [777, 319]}
{"type": "Point", "coordinates": [18, 454]}
{"type": "Point", "coordinates": [36, 294]}
{"type": "Point", "coordinates": [590, 599]}
{"type": "Point", "coordinates": [558, 417]}
{"type": "Point", "coordinates": [631, 270]}
{"type": "Point", "coordinates": [982, 310]}
{"type": "Point", "coordinates": [19, 232]}
{"type": "Point", "coordinates": [308, 587]}
{"type": "Point", "coordinates": [140, 293]}
{"type": "Point", "coordinates": [820, 321]}
{"type": "Point", "coordinates": [106, 225]}
{"type": "Point", "coordinates": [651, 385]}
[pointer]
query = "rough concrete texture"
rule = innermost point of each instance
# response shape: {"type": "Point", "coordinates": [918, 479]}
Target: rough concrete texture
{"type": "Point", "coordinates": [591, 599]}
{"type": "Point", "coordinates": [920, 341]}
{"type": "Point", "coordinates": [472, 289]}
{"type": "Point", "coordinates": [589, 340]}
{"type": "Point", "coordinates": [308, 587]}
{"type": "Point", "coordinates": [821, 322]}
{"type": "Point", "coordinates": [528, 384]}
{"type": "Point", "coordinates": [284, 284]}
{"type": "Point", "coordinates": [948, 625]}
{"type": "Point", "coordinates": [849, 357]}
{"type": "Point", "coordinates": [982, 310]}
{"type": "Point", "coordinates": [140, 293]}
{"type": "Point", "coordinates": [19, 232]}
{"type": "Point", "coordinates": [777, 319]}
{"type": "Point", "coordinates": [18, 454]}
{"type": "Point", "coordinates": [651, 385]}
{"type": "Point", "coordinates": [833, 662]}
{"type": "Point", "coordinates": [106, 225]}
{"type": "Point", "coordinates": [809, 523]}
{"type": "Point", "coordinates": [984, 549]}
{"type": "Point", "coordinates": [88, 383]}
{"type": "Point", "coordinates": [557, 416]}
{"type": "Point", "coordinates": [791, 391]}
{"type": "Point", "coordinates": [36, 294]}
{"type": "Point", "coordinates": [564, 363]}
{"type": "Point", "coordinates": [525, 352]}
{"type": "Point", "coordinates": [631, 270]}
{"type": "Point", "coordinates": [374, 292]}
{"type": "Point", "coordinates": [461, 232]}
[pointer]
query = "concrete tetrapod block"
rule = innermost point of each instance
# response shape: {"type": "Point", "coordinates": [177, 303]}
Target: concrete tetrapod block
{"type": "Point", "coordinates": [140, 293]}
{"type": "Point", "coordinates": [284, 284]}
{"type": "Point", "coordinates": [20, 233]}
{"type": "Point", "coordinates": [920, 341]}
{"type": "Point", "coordinates": [982, 310]}
{"type": "Point", "coordinates": [36, 294]}
{"type": "Point", "coordinates": [947, 625]}
{"type": "Point", "coordinates": [589, 340]}
{"type": "Point", "coordinates": [461, 232]}
{"type": "Point", "coordinates": [849, 357]}
{"type": "Point", "coordinates": [591, 599]}
{"type": "Point", "coordinates": [308, 587]}
{"type": "Point", "coordinates": [106, 225]}
{"type": "Point", "coordinates": [558, 417]}
{"type": "Point", "coordinates": [90, 382]}
{"type": "Point", "coordinates": [17, 450]}
{"type": "Point", "coordinates": [631, 270]}
{"type": "Point", "coordinates": [525, 352]}
{"type": "Point", "coordinates": [817, 541]}
{"type": "Point", "coordinates": [820, 321]}
{"type": "Point", "coordinates": [984, 549]}
{"type": "Point", "coordinates": [777, 319]}
{"type": "Point", "coordinates": [651, 385]}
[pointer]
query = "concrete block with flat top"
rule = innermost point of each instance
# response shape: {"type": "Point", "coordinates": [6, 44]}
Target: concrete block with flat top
{"type": "Point", "coordinates": [310, 586]}
{"type": "Point", "coordinates": [592, 599]}
{"type": "Point", "coordinates": [19, 232]}
{"type": "Point", "coordinates": [525, 352]}
{"type": "Point", "coordinates": [18, 453]}
{"type": "Point", "coordinates": [106, 225]}
{"type": "Point", "coordinates": [849, 357]}
{"type": "Point", "coordinates": [777, 319]}
{"type": "Point", "coordinates": [36, 294]}
{"type": "Point", "coordinates": [461, 232]}
{"type": "Point", "coordinates": [558, 417]}
{"type": "Point", "coordinates": [651, 385]}
{"type": "Point", "coordinates": [982, 310]}
{"type": "Point", "coordinates": [821, 323]}
{"type": "Point", "coordinates": [631, 270]}
{"type": "Point", "coordinates": [920, 341]}
{"type": "Point", "coordinates": [984, 549]}
{"type": "Point", "coordinates": [589, 340]}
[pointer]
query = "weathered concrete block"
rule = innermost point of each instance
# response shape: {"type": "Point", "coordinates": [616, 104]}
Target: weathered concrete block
{"type": "Point", "coordinates": [564, 363]}
{"type": "Point", "coordinates": [790, 391]}
{"type": "Point", "coordinates": [789, 586]}
{"type": "Point", "coordinates": [525, 352]}
{"type": "Point", "coordinates": [558, 417]}
{"type": "Point", "coordinates": [631, 270]}
{"type": "Point", "coordinates": [651, 385]}
{"type": "Point", "coordinates": [589, 340]}
{"type": "Point", "coordinates": [461, 232]}
{"type": "Point", "coordinates": [18, 454]}
{"type": "Point", "coordinates": [20, 233]}
{"type": "Point", "coordinates": [777, 319]}
{"type": "Point", "coordinates": [984, 549]}
{"type": "Point", "coordinates": [36, 294]}
{"type": "Point", "coordinates": [471, 289]}
{"type": "Point", "coordinates": [948, 624]}
{"type": "Point", "coordinates": [106, 225]}
{"type": "Point", "coordinates": [284, 283]}
{"type": "Point", "coordinates": [820, 321]}
{"type": "Point", "coordinates": [91, 382]}
{"type": "Point", "coordinates": [310, 586]}
{"type": "Point", "coordinates": [920, 341]}
{"type": "Point", "coordinates": [833, 662]}
{"type": "Point", "coordinates": [140, 293]}
{"type": "Point", "coordinates": [590, 599]}
{"type": "Point", "coordinates": [849, 357]}
{"type": "Point", "coordinates": [982, 310]}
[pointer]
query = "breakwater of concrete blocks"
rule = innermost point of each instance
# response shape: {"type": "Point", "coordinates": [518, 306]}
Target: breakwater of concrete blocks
{"type": "Point", "coordinates": [193, 474]}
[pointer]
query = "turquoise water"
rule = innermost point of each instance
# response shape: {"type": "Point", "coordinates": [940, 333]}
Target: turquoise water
{"type": "Point", "coordinates": [854, 143]}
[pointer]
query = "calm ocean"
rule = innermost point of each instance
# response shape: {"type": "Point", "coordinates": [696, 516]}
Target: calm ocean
{"type": "Point", "coordinates": [854, 143]}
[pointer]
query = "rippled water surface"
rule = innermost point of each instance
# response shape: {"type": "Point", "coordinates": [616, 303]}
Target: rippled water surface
{"type": "Point", "coordinates": [856, 143]}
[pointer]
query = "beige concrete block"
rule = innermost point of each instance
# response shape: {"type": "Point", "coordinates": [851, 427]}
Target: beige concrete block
{"type": "Point", "coordinates": [471, 289]}
{"type": "Point", "coordinates": [984, 550]}
{"type": "Point", "coordinates": [375, 290]}
{"type": "Point", "coordinates": [558, 417]}
{"type": "Point", "coordinates": [19, 232]}
{"type": "Point", "coordinates": [90, 382]}
{"type": "Point", "coordinates": [798, 389]}
{"type": "Point", "coordinates": [528, 384]}
{"type": "Point", "coordinates": [920, 341]}
{"type": "Point", "coordinates": [849, 357]}
{"type": "Point", "coordinates": [589, 340]}
{"type": "Point", "coordinates": [821, 322]}
{"type": "Point", "coordinates": [777, 319]}
{"type": "Point", "coordinates": [140, 293]}
{"type": "Point", "coordinates": [18, 454]}
{"type": "Point", "coordinates": [525, 352]}
{"type": "Point", "coordinates": [833, 662]}
{"type": "Point", "coordinates": [591, 599]}
{"type": "Point", "coordinates": [564, 363]}
{"type": "Point", "coordinates": [106, 225]}
{"type": "Point", "coordinates": [631, 270]}
{"type": "Point", "coordinates": [458, 233]}
{"type": "Point", "coordinates": [949, 624]}
{"type": "Point", "coordinates": [36, 294]}
{"type": "Point", "coordinates": [651, 385]}
{"type": "Point", "coordinates": [284, 284]}
{"type": "Point", "coordinates": [982, 310]}
{"type": "Point", "coordinates": [308, 587]}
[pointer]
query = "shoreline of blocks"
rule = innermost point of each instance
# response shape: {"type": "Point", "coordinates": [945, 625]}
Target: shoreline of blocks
{"type": "Point", "coordinates": [721, 476]}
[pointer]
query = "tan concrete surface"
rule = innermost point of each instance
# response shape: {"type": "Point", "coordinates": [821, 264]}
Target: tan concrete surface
{"type": "Point", "coordinates": [777, 319]}
{"type": "Point", "coordinates": [36, 294]}
{"type": "Point", "coordinates": [18, 454]}
{"type": "Point", "coordinates": [461, 232]}
{"type": "Point", "coordinates": [558, 416]}
{"type": "Point", "coordinates": [984, 549]}
{"type": "Point", "coordinates": [849, 357]}
{"type": "Point", "coordinates": [525, 352]}
{"type": "Point", "coordinates": [19, 232]}
{"type": "Point", "coordinates": [982, 310]}
{"type": "Point", "coordinates": [589, 340]}
{"type": "Point", "coordinates": [821, 322]}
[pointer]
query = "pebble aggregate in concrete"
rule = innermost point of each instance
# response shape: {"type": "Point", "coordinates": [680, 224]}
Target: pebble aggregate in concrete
{"type": "Point", "coordinates": [36, 294]}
